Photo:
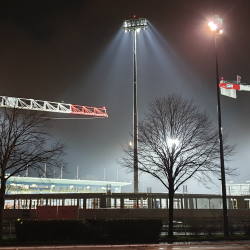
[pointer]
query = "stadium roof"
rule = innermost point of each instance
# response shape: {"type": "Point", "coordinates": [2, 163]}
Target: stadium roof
{"type": "Point", "coordinates": [54, 181]}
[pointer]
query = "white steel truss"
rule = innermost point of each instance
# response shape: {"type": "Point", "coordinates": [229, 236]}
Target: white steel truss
{"type": "Point", "coordinates": [22, 103]}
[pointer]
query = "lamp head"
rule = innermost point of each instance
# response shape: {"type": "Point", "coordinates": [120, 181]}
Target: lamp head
{"type": "Point", "coordinates": [212, 25]}
{"type": "Point", "coordinates": [135, 24]}
{"type": "Point", "coordinates": [216, 24]}
{"type": "Point", "coordinates": [173, 142]}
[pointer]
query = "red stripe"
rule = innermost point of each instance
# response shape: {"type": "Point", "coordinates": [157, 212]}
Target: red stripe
{"type": "Point", "coordinates": [229, 86]}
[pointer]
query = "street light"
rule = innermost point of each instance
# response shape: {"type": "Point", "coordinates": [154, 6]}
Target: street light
{"type": "Point", "coordinates": [135, 25]}
{"type": "Point", "coordinates": [173, 142]}
{"type": "Point", "coordinates": [214, 27]}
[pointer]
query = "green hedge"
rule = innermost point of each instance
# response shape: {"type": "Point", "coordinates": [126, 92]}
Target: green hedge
{"type": "Point", "coordinates": [90, 230]}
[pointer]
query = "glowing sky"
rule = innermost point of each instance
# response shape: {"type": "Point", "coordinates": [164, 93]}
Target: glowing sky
{"type": "Point", "coordinates": [76, 51]}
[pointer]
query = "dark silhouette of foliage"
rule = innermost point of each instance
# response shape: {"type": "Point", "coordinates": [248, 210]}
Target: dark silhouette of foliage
{"type": "Point", "coordinates": [25, 142]}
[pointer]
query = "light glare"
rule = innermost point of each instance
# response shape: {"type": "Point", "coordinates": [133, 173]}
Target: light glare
{"type": "Point", "coordinates": [173, 142]}
{"type": "Point", "coordinates": [212, 25]}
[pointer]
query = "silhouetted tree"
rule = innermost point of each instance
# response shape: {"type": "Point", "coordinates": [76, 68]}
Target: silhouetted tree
{"type": "Point", "coordinates": [176, 142]}
{"type": "Point", "coordinates": [25, 142]}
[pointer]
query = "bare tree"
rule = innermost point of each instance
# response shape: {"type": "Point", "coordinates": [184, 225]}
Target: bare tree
{"type": "Point", "coordinates": [25, 142]}
{"type": "Point", "coordinates": [176, 142]}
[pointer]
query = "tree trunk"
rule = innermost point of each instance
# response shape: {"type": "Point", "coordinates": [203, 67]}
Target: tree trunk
{"type": "Point", "coordinates": [171, 210]}
{"type": "Point", "coordinates": [2, 194]}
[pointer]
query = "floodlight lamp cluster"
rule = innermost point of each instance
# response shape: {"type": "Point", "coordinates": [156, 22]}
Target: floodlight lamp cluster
{"type": "Point", "coordinates": [214, 27]}
{"type": "Point", "coordinates": [135, 24]}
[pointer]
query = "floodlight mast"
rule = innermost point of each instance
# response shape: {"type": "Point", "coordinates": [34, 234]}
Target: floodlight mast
{"type": "Point", "coordinates": [135, 25]}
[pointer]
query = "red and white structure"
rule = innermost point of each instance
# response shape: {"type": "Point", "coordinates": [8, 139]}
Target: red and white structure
{"type": "Point", "coordinates": [228, 88]}
{"type": "Point", "coordinates": [22, 103]}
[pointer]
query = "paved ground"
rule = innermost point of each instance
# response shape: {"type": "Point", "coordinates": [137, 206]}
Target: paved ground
{"type": "Point", "coordinates": [198, 246]}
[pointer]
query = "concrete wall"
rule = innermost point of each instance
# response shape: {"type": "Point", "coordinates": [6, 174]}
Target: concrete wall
{"type": "Point", "coordinates": [13, 214]}
{"type": "Point", "coordinates": [161, 213]}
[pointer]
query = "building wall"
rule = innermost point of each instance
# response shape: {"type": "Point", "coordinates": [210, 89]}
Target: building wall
{"type": "Point", "coordinates": [215, 214]}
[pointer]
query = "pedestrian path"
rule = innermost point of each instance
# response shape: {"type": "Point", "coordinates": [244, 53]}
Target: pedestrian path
{"type": "Point", "coordinates": [199, 246]}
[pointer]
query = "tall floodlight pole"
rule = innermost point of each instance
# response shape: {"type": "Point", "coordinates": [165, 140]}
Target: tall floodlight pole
{"type": "Point", "coordinates": [213, 26]}
{"type": "Point", "coordinates": [135, 25]}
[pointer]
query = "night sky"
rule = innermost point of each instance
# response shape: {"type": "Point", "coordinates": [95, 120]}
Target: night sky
{"type": "Point", "coordinates": [77, 52]}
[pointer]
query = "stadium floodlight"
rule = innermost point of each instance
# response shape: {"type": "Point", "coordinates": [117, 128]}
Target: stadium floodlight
{"type": "Point", "coordinates": [135, 25]}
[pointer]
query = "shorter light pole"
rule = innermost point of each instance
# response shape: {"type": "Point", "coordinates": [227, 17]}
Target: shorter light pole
{"type": "Point", "coordinates": [214, 27]}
